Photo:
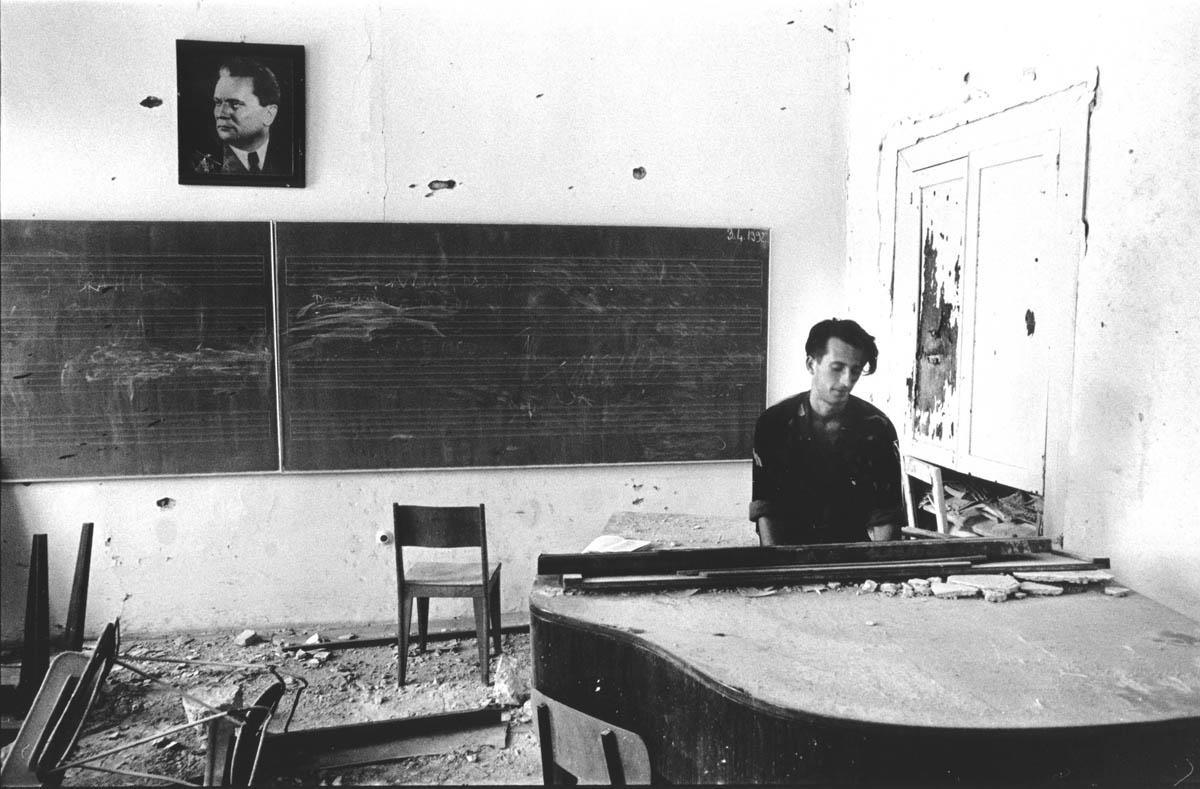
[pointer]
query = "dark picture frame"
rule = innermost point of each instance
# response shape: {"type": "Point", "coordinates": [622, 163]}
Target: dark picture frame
{"type": "Point", "coordinates": [208, 157]}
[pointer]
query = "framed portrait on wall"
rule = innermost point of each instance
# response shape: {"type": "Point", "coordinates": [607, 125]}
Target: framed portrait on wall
{"type": "Point", "coordinates": [241, 113]}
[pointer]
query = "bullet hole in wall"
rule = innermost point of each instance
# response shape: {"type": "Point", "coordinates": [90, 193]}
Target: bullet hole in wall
{"type": "Point", "coordinates": [639, 173]}
{"type": "Point", "coordinates": [165, 503]}
{"type": "Point", "coordinates": [151, 101]}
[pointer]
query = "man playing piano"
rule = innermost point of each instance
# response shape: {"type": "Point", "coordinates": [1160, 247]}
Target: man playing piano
{"type": "Point", "coordinates": [826, 463]}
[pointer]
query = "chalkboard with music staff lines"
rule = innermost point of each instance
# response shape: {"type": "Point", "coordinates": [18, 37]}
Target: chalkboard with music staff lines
{"type": "Point", "coordinates": [441, 345]}
{"type": "Point", "coordinates": [136, 348]}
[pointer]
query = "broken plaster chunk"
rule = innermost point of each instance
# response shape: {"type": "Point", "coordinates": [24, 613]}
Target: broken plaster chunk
{"type": "Point", "coordinates": [834, 584]}
{"type": "Point", "coordinates": [984, 582]}
{"type": "Point", "coordinates": [223, 697]}
{"type": "Point", "coordinates": [995, 595]}
{"type": "Point", "coordinates": [889, 589]}
{"type": "Point", "coordinates": [1065, 576]}
{"type": "Point", "coordinates": [917, 583]}
{"type": "Point", "coordinates": [510, 688]}
{"type": "Point", "coordinates": [1040, 590]}
{"type": "Point", "coordinates": [247, 638]}
{"type": "Point", "coordinates": [906, 590]}
{"type": "Point", "coordinates": [949, 591]}
{"type": "Point", "coordinates": [315, 638]}
{"type": "Point", "coordinates": [1116, 591]}
{"type": "Point", "coordinates": [818, 588]}
{"type": "Point", "coordinates": [868, 586]}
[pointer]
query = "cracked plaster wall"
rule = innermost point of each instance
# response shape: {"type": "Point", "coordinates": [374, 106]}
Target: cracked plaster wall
{"type": "Point", "coordinates": [1134, 425]}
{"type": "Point", "coordinates": [539, 113]}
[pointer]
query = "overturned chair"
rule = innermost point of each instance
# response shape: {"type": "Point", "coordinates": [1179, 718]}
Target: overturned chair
{"type": "Point", "coordinates": [41, 753]}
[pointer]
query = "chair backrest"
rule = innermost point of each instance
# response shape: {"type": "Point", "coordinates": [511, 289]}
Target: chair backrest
{"type": "Point", "coordinates": [439, 527]}
{"type": "Point", "coordinates": [59, 711]}
{"type": "Point", "coordinates": [593, 751]}
{"type": "Point", "coordinates": [930, 475]}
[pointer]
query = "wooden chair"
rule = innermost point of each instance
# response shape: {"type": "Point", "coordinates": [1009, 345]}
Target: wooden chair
{"type": "Point", "coordinates": [932, 476]}
{"type": "Point", "coordinates": [592, 751]}
{"type": "Point", "coordinates": [445, 527]}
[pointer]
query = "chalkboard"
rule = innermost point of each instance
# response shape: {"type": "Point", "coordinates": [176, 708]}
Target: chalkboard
{"type": "Point", "coordinates": [136, 348]}
{"type": "Point", "coordinates": [427, 345]}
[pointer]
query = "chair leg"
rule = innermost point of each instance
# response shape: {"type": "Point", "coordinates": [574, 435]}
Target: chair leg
{"type": "Point", "coordinates": [422, 622]}
{"type": "Point", "coordinates": [481, 635]}
{"type": "Point", "coordinates": [545, 744]}
{"type": "Point", "coordinates": [612, 758]}
{"type": "Point", "coordinates": [494, 604]}
{"type": "Point", "coordinates": [402, 640]}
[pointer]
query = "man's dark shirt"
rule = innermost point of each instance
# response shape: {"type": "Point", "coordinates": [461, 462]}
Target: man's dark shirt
{"type": "Point", "coordinates": [826, 493]}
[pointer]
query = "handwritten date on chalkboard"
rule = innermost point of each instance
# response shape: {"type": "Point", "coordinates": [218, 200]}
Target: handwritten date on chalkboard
{"type": "Point", "coordinates": [750, 235]}
{"type": "Point", "coordinates": [482, 345]}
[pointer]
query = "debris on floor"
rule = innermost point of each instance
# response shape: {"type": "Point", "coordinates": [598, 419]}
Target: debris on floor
{"type": "Point", "coordinates": [345, 687]}
{"type": "Point", "coordinates": [975, 507]}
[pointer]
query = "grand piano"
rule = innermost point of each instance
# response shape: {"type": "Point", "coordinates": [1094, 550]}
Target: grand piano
{"type": "Point", "coordinates": [746, 665]}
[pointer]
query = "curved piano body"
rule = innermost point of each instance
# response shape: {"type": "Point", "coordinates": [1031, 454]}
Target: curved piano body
{"type": "Point", "coordinates": [792, 687]}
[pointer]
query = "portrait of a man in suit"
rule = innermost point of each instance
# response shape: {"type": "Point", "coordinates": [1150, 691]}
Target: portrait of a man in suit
{"type": "Point", "coordinates": [245, 104]}
{"type": "Point", "coordinates": [239, 114]}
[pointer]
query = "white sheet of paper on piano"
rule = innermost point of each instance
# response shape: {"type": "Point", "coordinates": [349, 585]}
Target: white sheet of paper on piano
{"type": "Point", "coordinates": [615, 543]}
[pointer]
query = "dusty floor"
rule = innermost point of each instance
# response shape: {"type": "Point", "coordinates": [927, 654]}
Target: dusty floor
{"type": "Point", "coordinates": [350, 686]}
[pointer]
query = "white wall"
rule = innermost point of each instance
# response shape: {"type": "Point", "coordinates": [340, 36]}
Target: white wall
{"type": "Point", "coordinates": [1134, 424]}
{"type": "Point", "coordinates": [737, 114]}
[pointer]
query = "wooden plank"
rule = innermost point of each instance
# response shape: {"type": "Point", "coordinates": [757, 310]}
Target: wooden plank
{"type": "Point", "coordinates": [816, 568]}
{"type": "Point", "coordinates": [1043, 561]}
{"type": "Point", "coordinates": [767, 577]}
{"type": "Point", "coordinates": [77, 610]}
{"type": "Point", "coordinates": [795, 574]}
{"type": "Point", "coordinates": [35, 648]}
{"type": "Point", "coordinates": [643, 562]}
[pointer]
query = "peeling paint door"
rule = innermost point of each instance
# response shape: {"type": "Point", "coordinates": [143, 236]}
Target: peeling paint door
{"type": "Point", "coordinates": [939, 206]}
{"type": "Point", "coordinates": [986, 253]}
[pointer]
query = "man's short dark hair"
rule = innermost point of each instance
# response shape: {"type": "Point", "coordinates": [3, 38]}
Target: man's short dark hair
{"type": "Point", "coordinates": [266, 87]}
{"type": "Point", "coordinates": [848, 332]}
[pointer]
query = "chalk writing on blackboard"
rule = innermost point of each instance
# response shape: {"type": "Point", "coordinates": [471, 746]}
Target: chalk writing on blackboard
{"type": "Point", "coordinates": [472, 345]}
{"type": "Point", "coordinates": [136, 349]}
